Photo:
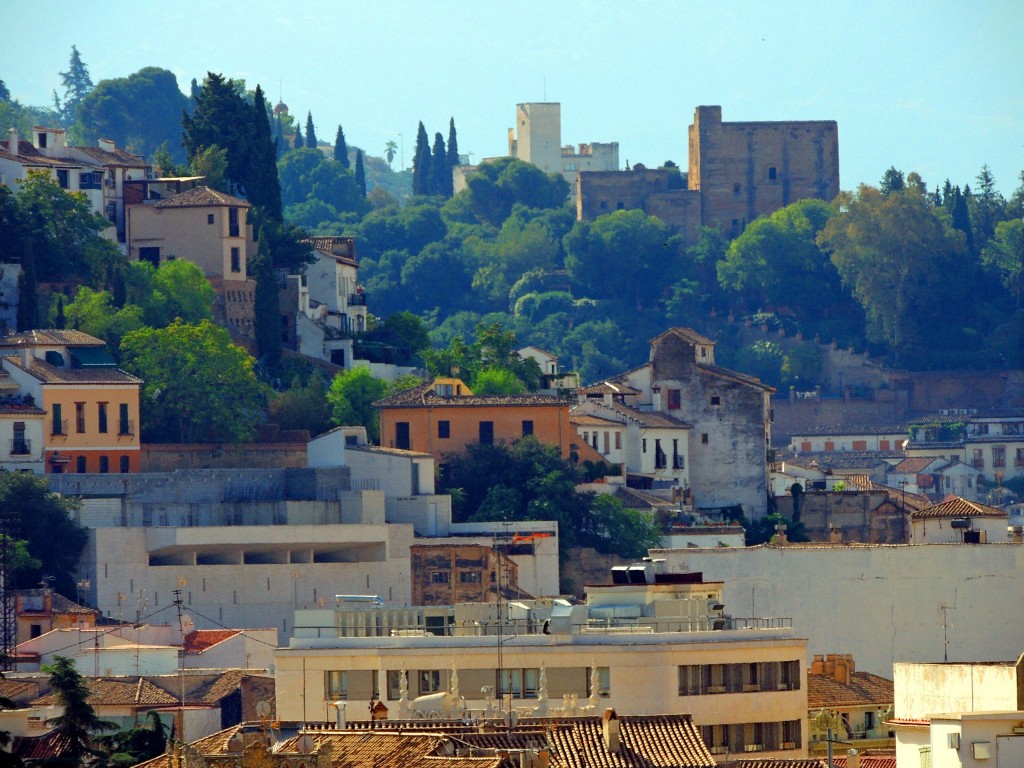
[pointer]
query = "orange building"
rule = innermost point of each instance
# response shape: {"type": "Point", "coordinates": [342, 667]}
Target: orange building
{"type": "Point", "coordinates": [444, 416]}
{"type": "Point", "coordinates": [92, 407]}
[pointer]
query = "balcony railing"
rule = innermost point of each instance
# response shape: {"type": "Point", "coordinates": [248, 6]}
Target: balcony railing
{"type": "Point", "coordinates": [978, 463]}
{"type": "Point", "coordinates": [678, 462]}
{"type": "Point", "coordinates": [59, 427]}
{"type": "Point", "coordinates": [126, 427]}
{"type": "Point", "coordinates": [21, 447]}
{"type": "Point", "coordinates": [357, 300]}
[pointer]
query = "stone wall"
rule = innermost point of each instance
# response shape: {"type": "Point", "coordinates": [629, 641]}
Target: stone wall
{"type": "Point", "coordinates": [861, 516]}
{"type": "Point", "coordinates": [167, 458]}
{"type": "Point", "coordinates": [586, 565]}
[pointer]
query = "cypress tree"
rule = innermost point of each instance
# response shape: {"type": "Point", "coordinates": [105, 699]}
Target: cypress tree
{"type": "Point", "coordinates": [360, 172]}
{"type": "Point", "coordinates": [439, 168]}
{"type": "Point", "coordinates": [421, 163]}
{"type": "Point", "coordinates": [262, 185]}
{"type": "Point", "coordinates": [453, 145]}
{"type": "Point", "coordinates": [266, 303]}
{"type": "Point", "coordinates": [279, 142]}
{"type": "Point", "coordinates": [298, 143]}
{"type": "Point", "coordinates": [310, 133]}
{"type": "Point", "coordinates": [61, 321]}
{"type": "Point", "coordinates": [341, 148]}
{"type": "Point", "coordinates": [28, 290]}
{"type": "Point", "coordinates": [961, 216]}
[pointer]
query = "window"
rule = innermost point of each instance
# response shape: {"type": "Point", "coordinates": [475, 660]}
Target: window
{"type": "Point", "coordinates": [618, 441]}
{"type": "Point", "coordinates": [101, 414]}
{"type": "Point", "coordinates": [716, 400]}
{"type": "Point", "coordinates": [704, 438]}
{"type": "Point", "coordinates": [604, 205]}
{"type": "Point", "coordinates": [444, 429]}
{"type": "Point", "coordinates": [233, 222]}
{"type": "Point", "coordinates": [440, 577]}
{"type": "Point", "coordinates": [236, 260]}
{"type": "Point", "coordinates": [80, 465]}
{"type": "Point", "coordinates": [607, 446]}
{"type": "Point", "coordinates": [619, 205]}
{"type": "Point", "coordinates": [674, 399]}
{"type": "Point", "coordinates": [773, 173]}
{"type": "Point", "coordinates": [643, 445]}
{"type": "Point", "coordinates": [394, 681]}
{"type": "Point", "coordinates": [42, 140]}
{"type": "Point", "coordinates": [59, 427]}
{"type": "Point", "coordinates": [430, 681]}
{"type": "Point", "coordinates": [19, 445]}
{"type": "Point", "coordinates": [520, 683]}
{"type": "Point", "coordinates": [80, 417]}
{"type": "Point", "coordinates": [978, 459]}
{"type": "Point", "coordinates": [35, 630]}
{"type": "Point", "coordinates": [62, 178]}
{"type": "Point", "coordinates": [125, 465]}
{"type": "Point", "coordinates": [998, 455]}
{"type": "Point", "coordinates": [660, 459]}
{"type": "Point", "coordinates": [527, 427]}
{"type": "Point", "coordinates": [469, 577]}
{"type": "Point", "coordinates": [209, 218]}
{"type": "Point", "coordinates": [486, 433]}
{"type": "Point", "coordinates": [444, 390]}
{"type": "Point", "coordinates": [736, 188]}
{"type": "Point", "coordinates": [830, 445]}
{"type": "Point", "coordinates": [150, 254]}
{"type": "Point", "coordinates": [1018, 461]}
{"type": "Point", "coordinates": [335, 685]}
{"type": "Point", "coordinates": [402, 435]}
{"type": "Point", "coordinates": [883, 445]}
{"type": "Point", "coordinates": [124, 426]}
{"type": "Point", "coordinates": [104, 464]}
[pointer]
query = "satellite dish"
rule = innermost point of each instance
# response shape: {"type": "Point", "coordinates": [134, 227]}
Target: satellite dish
{"type": "Point", "coordinates": [262, 708]}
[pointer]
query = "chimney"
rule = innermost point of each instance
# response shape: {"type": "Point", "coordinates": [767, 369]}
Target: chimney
{"type": "Point", "coordinates": [780, 535]}
{"type": "Point", "coordinates": [610, 731]}
{"type": "Point", "coordinates": [656, 398]}
{"type": "Point", "coordinates": [12, 140]}
{"type": "Point", "coordinates": [843, 668]}
{"type": "Point", "coordinates": [108, 145]}
{"type": "Point", "coordinates": [818, 665]}
{"type": "Point", "coordinates": [853, 759]}
{"type": "Point", "coordinates": [835, 535]}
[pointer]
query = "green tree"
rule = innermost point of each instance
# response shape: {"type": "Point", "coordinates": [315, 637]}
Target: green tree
{"type": "Point", "coordinates": [421, 163]}
{"type": "Point", "coordinates": [77, 84]}
{"type": "Point", "coordinates": [440, 173]}
{"type": "Point", "coordinates": [79, 721]}
{"type": "Point", "coordinates": [360, 175]}
{"type": "Point", "coordinates": [341, 149]}
{"type": "Point", "coordinates": [892, 181]}
{"type": "Point", "coordinates": [199, 387]}
{"type": "Point", "coordinates": [297, 141]}
{"type": "Point", "coordinates": [45, 521]}
{"type": "Point", "coordinates": [453, 148]}
{"type": "Point", "coordinates": [303, 406]}
{"type": "Point", "coordinates": [5, 94]}
{"type": "Point", "coordinates": [180, 291]}
{"type": "Point", "coordinates": [137, 745]}
{"type": "Point", "coordinates": [262, 186]}
{"type": "Point", "coordinates": [496, 381]}
{"type": "Point", "coordinates": [1005, 254]}
{"type": "Point", "coordinates": [389, 150]}
{"type": "Point", "coordinates": [987, 207]}
{"type": "Point", "coordinates": [310, 133]}
{"type": "Point", "coordinates": [307, 175]}
{"type": "Point", "coordinates": [212, 164]}
{"type": "Point", "coordinates": [352, 395]}
{"type": "Point", "coordinates": [223, 118]}
{"type": "Point", "coordinates": [494, 189]}
{"type": "Point", "coordinates": [267, 304]}
{"type": "Point", "coordinates": [140, 112]}
{"type": "Point", "coordinates": [94, 313]}
{"type": "Point", "coordinates": [900, 259]}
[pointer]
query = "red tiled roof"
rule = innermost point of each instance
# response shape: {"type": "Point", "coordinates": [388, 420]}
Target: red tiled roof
{"type": "Point", "coordinates": [202, 197]}
{"type": "Point", "coordinates": [116, 157]}
{"type": "Point", "coordinates": [687, 334]}
{"type": "Point", "coordinates": [646, 740]}
{"type": "Point", "coordinates": [118, 693]}
{"type": "Point", "coordinates": [47, 746]}
{"type": "Point", "coordinates": [870, 758]}
{"type": "Point", "coordinates": [609, 387]}
{"type": "Point", "coordinates": [864, 689]}
{"type": "Point", "coordinates": [202, 639]}
{"type": "Point", "coordinates": [913, 465]}
{"type": "Point", "coordinates": [794, 762]}
{"type": "Point", "coordinates": [51, 374]}
{"type": "Point", "coordinates": [957, 507]}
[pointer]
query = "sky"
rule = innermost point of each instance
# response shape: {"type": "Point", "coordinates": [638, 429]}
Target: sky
{"type": "Point", "coordinates": [935, 87]}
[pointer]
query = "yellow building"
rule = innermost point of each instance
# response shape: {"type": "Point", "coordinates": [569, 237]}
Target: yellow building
{"type": "Point", "coordinates": [92, 407]}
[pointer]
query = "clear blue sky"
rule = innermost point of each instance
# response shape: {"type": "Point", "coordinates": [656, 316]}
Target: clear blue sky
{"type": "Point", "coordinates": [936, 87]}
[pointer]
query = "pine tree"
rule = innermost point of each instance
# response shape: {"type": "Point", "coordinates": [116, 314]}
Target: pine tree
{"type": "Point", "coordinates": [262, 185]}
{"type": "Point", "coordinates": [961, 216]}
{"type": "Point", "coordinates": [77, 84]}
{"type": "Point", "coordinates": [310, 133]}
{"type": "Point", "coordinates": [987, 208]}
{"type": "Point", "coordinates": [421, 163]}
{"type": "Point", "coordinates": [360, 172]}
{"type": "Point", "coordinates": [439, 168]}
{"type": "Point", "coordinates": [79, 719]}
{"type": "Point", "coordinates": [224, 118]}
{"type": "Point", "coordinates": [453, 145]}
{"type": "Point", "coordinates": [298, 143]}
{"type": "Point", "coordinates": [341, 148]}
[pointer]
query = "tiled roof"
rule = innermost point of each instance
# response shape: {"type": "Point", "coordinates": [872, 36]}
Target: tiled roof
{"type": "Point", "coordinates": [687, 334]}
{"type": "Point", "coordinates": [609, 388]}
{"type": "Point", "coordinates": [355, 749]}
{"type": "Point", "coordinates": [634, 499]}
{"type": "Point", "coordinates": [201, 639]}
{"type": "Point", "coordinates": [58, 603]}
{"type": "Point", "coordinates": [864, 689]}
{"type": "Point", "coordinates": [51, 337]}
{"type": "Point", "coordinates": [118, 157]}
{"type": "Point", "coordinates": [957, 507]}
{"type": "Point", "coordinates": [795, 762]}
{"type": "Point", "coordinates": [13, 409]}
{"type": "Point", "coordinates": [117, 693]}
{"type": "Point", "coordinates": [202, 197]}
{"type": "Point", "coordinates": [214, 744]}
{"type": "Point", "coordinates": [382, 449]}
{"type": "Point", "coordinates": [870, 758]}
{"type": "Point", "coordinates": [22, 691]}
{"type": "Point", "coordinates": [51, 374]}
{"type": "Point", "coordinates": [841, 459]}
{"type": "Point", "coordinates": [221, 686]}
{"type": "Point", "coordinates": [652, 419]}
{"type": "Point", "coordinates": [27, 154]}
{"type": "Point", "coordinates": [586, 420]}
{"type": "Point", "coordinates": [914, 464]}
{"type": "Point", "coordinates": [424, 395]}
{"type": "Point", "coordinates": [646, 741]}
{"type": "Point", "coordinates": [857, 429]}
{"type": "Point", "coordinates": [40, 748]}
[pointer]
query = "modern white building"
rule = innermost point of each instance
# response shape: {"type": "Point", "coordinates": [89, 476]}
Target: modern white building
{"type": "Point", "coordinates": [648, 644]}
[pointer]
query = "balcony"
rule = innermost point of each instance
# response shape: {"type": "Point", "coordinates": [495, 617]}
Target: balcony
{"type": "Point", "coordinates": [357, 300]}
{"type": "Point", "coordinates": [978, 463]}
{"type": "Point", "coordinates": [21, 447]}
{"type": "Point", "coordinates": [126, 427]}
{"type": "Point", "coordinates": [678, 462]}
{"type": "Point", "coordinates": [59, 427]}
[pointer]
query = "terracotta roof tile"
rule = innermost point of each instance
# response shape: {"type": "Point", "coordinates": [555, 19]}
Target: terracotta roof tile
{"type": "Point", "coordinates": [115, 157]}
{"type": "Point", "coordinates": [354, 749]}
{"type": "Point", "coordinates": [47, 746]}
{"type": "Point", "coordinates": [913, 464]}
{"type": "Point", "coordinates": [634, 499]}
{"type": "Point", "coordinates": [646, 740]}
{"type": "Point", "coordinates": [687, 334]}
{"type": "Point", "coordinates": [202, 639]}
{"type": "Point", "coordinates": [202, 197]}
{"type": "Point", "coordinates": [864, 689]}
{"type": "Point", "coordinates": [586, 420]}
{"type": "Point", "coordinates": [424, 395]}
{"type": "Point", "coordinates": [794, 762]}
{"type": "Point", "coordinates": [957, 507]}
{"type": "Point", "coordinates": [609, 388]}
{"type": "Point", "coordinates": [52, 337]}
{"type": "Point", "coordinates": [653, 419]}
{"type": "Point", "coordinates": [51, 374]}
{"type": "Point", "coordinates": [855, 429]}
{"type": "Point", "coordinates": [114, 693]}
{"type": "Point", "coordinates": [870, 758]}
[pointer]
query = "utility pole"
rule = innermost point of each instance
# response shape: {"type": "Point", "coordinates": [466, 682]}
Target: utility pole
{"type": "Point", "coordinates": [181, 667]}
{"type": "Point", "coordinates": [8, 611]}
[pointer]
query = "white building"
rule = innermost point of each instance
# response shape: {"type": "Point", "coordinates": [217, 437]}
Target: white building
{"type": "Point", "coordinates": [646, 645]}
{"type": "Point", "coordinates": [957, 520]}
{"type": "Point", "coordinates": [829, 439]}
{"type": "Point", "coordinates": [332, 305]}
